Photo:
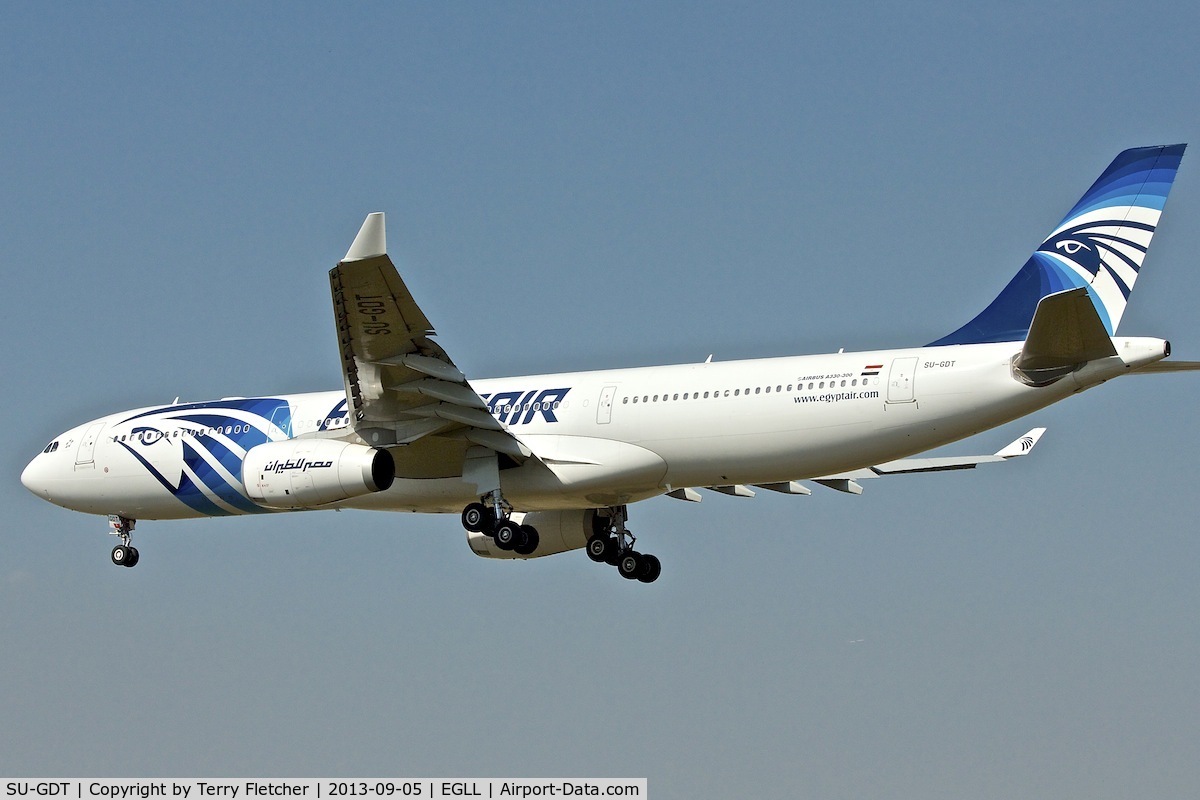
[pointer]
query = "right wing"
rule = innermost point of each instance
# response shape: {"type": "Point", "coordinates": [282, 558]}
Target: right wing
{"type": "Point", "coordinates": [846, 481]}
{"type": "Point", "coordinates": [403, 391]}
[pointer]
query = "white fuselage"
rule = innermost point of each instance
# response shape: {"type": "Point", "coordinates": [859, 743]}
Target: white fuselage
{"type": "Point", "coordinates": [600, 438]}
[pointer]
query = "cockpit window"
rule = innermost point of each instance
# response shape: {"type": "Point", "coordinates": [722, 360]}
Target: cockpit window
{"type": "Point", "coordinates": [50, 448]}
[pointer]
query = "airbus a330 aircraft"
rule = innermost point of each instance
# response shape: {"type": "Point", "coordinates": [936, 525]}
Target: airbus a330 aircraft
{"type": "Point", "coordinates": [544, 464]}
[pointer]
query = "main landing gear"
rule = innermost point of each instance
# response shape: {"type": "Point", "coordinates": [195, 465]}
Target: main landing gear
{"type": "Point", "coordinates": [124, 554]}
{"type": "Point", "coordinates": [612, 543]}
{"type": "Point", "coordinates": [496, 523]}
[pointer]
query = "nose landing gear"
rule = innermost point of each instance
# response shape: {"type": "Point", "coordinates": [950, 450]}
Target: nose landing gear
{"type": "Point", "coordinates": [124, 554]}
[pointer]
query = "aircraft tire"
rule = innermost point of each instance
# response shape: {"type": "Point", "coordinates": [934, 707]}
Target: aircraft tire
{"type": "Point", "coordinates": [475, 517]}
{"type": "Point", "coordinates": [120, 554]}
{"type": "Point", "coordinates": [132, 560]}
{"type": "Point", "coordinates": [651, 569]}
{"type": "Point", "coordinates": [598, 548]}
{"type": "Point", "coordinates": [630, 565]}
{"type": "Point", "coordinates": [507, 534]}
{"type": "Point", "coordinates": [532, 539]}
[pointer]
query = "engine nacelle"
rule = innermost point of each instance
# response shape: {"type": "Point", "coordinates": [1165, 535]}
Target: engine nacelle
{"type": "Point", "coordinates": [558, 532]}
{"type": "Point", "coordinates": [307, 473]}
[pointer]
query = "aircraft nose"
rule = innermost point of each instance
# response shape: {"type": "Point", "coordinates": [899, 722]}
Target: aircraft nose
{"type": "Point", "coordinates": [34, 477]}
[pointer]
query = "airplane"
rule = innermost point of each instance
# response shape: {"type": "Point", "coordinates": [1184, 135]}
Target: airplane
{"type": "Point", "coordinates": [543, 464]}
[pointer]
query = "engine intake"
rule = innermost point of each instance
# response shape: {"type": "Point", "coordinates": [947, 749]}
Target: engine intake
{"type": "Point", "coordinates": [308, 473]}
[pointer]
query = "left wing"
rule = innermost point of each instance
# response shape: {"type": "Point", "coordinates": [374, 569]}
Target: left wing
{"type": "Point", "coordinates": [403, 391]}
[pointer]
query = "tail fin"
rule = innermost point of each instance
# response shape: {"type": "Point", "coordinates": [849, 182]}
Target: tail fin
{"type": "Point", "coordinates": [1099, 246]}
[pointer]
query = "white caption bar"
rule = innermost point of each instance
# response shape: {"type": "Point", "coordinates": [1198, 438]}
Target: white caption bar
{"type": "Point", "coordinates": [320, 788]}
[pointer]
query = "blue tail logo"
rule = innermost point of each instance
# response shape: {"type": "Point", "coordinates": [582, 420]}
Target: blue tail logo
{"type": "Point", "coordinates": [1100, 245]}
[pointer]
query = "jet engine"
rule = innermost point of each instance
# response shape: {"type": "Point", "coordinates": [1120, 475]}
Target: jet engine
{"type": "Point", "coordinates": [558, 532]}
{"type": "Point", "coordinates": [308, 473]}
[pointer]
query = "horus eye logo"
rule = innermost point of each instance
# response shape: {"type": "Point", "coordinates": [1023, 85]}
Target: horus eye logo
{"type": "Point", "coordinates": [1112, 247]}
{"type": "Point", "coordinates": [1071, 247]}
{"type": "Point", "coordinates": [1026, 444]}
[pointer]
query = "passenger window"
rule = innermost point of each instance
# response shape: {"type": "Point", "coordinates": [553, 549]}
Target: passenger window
{"type": "Point", "coordinates": [736, 392]}
{"type": "Point", "coordinates": [758, 390]}
{"type": "Point", "coordinates": [624, 401]}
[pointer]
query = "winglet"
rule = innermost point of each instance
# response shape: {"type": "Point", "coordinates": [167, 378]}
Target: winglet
{"type": "Point", "coordinates": [371, 240]}
{"type": "Point", "coordinates": [1022, 446]}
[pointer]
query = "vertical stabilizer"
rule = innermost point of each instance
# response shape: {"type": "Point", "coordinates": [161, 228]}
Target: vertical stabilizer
{"type": "Point", "coordinates": [1099, 246]}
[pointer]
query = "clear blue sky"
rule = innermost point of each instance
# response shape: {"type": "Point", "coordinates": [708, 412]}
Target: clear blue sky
{"type": "Point", "coordinates": [573, 187]}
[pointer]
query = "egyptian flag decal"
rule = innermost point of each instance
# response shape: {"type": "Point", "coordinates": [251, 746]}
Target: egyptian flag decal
{"type": "Point", "coordinates": [872, 369]}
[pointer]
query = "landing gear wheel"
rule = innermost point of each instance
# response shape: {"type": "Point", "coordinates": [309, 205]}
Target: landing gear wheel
{"type": "Point", "coordinates": [475, 517]}
{"type": "Point", "coordinates": [651, 569]}
{"type": "Point", "coordinates": [507, 534]}
{"type": "Point", "coordinates": [124, 554]}
{"type": "Point", "coordinates": [599, 548]}
{"type": "Point", "coordinates": [630, 565]}
{"type": "Point", "coordinates": [531, 541]}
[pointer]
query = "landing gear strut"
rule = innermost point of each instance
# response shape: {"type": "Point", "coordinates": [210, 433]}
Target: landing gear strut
{"type": "Point", "coordinates": [124, 554]}
{"type": "Point", "coordinates": [494, 521]}
{"type": "Point", "coordinates": [612, 543]}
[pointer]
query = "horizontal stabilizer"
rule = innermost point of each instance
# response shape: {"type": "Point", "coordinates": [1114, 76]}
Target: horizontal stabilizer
{"type": "Point", "coordinates": [1066, 331]}
{"type": "Point", "coordinates": [1168, 366]}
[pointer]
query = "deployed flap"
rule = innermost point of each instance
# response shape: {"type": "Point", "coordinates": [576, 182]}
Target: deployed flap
{"type": "Point", "coordinates": [1066, 331]}
{"type": "Point", "coordinates": [401, 386]}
